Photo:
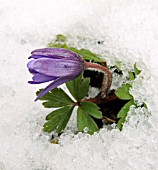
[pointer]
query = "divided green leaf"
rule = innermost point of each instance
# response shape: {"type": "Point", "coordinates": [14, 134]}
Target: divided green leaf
{"type": "Point", "coordinates": [55, 98]}
{"type": "Point", "coordinates": [123, 92]}
{"type": "Point", "coordinates": [78, 87]}
{"type": "Point", "coordinates": [84, 120]}
{"type": "Point", "coordinates": [91, 109]}
{"type": "Point", "coordinates": [123, 113]}
{"type": "Point", "coordinates": [58, 119]}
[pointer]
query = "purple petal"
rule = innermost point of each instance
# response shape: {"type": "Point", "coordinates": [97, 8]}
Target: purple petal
{"type": "Point", "coordinates": [54, 84]}
{"type": "Point", "coordinates": [32, 71]}
{"type": "Point", "coordinates": [41, 78]}
{"type": "Point", "coordinates": [42, 56]}
{"type": "Point", "coordinates": [56, 67]}
{"type": "Point", "coordinates": [32, 82]}
{"type": "Point", "coordinates": [56, 52]}
{"type": "Point", "coordinates": [30, 65]}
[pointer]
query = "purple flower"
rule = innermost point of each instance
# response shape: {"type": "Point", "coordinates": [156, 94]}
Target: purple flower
{"type": "Point", "coordinates": [54, 64]}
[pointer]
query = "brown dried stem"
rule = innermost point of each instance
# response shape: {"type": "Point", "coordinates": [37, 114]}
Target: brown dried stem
{"type": "Point", "coordinates": [107, 79]}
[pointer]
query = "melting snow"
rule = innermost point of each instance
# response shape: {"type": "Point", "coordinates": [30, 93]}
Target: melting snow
{"type": "Point", "coordinates": [130, 34]}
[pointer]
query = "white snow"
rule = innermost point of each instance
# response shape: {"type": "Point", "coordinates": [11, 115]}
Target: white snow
{"type": "Point", "coordinates": [129, 30]}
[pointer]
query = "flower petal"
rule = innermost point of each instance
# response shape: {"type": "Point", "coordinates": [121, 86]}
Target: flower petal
{"type": "Point", "coordinates": [41, 78]}
{"type": "Point", "coordinates": [32, 82]}
{"type": "Point", "coordinates": [56, 67]}
{"type": "Point", "coordinates": [43, 56]}
{"type": "Point", "coordinates": [32, 71]}
{"type": "Point", "coordinates": [30, 66]}
{"type": "Point", "coordinates": [56, 53]}
{"type": "Point", "coordinates": [54, 84]}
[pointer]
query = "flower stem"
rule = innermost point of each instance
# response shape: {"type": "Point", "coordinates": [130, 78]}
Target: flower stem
{"type": "Point", "coordinates": [107, 79]}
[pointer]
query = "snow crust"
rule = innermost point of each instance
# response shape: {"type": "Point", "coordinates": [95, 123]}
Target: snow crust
{"type": "Point", "coordinates": [130, 34]}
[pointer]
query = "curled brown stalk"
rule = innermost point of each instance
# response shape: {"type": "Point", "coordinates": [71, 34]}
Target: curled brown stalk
{"type": "Point", "coordinates": [107, 79]}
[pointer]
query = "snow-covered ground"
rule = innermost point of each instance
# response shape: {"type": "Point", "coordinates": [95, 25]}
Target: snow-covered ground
{"type": "Point", "coordinates": [130, 32]}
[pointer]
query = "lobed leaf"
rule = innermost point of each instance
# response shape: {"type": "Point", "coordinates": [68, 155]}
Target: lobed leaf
{"type": "Point", "coordinates": [83, 88]}
{"type": "Point", "coordinates": [91, 109]}
{"type": "Point", "coordinates": [123, 113]}
{"type": "Point", "coordinates": [55, 98]}
{"type": "Point", "coordinates": [73, 86]}
{"type": "Point", "coordinates": [123, 92]}
{"type": "Point", "coordinates": [78, 87]}
{"type": "Point", "coordinates": [58, 119]}
{"type": "Point", "coordinates": [85, 120]}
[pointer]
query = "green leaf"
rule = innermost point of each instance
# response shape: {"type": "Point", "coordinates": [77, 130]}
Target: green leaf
{"type": "Point", "coordinates": [55, 98]}
{"type": "Point", "coordinates": [84, 87]}
{"type": "Point", "coordinates": [88, 55]}
{"type": "Point", "coordinates": [120, 123]}
{"type": "Point", "coordinates": [136, 70]}
{"type": "Point", "coordinates": [131, 75]}
{"type": "Point", "coordinates": [85, 120]}
{"type": "Point", "coordinates": [58, 45]}
{"type": "Point", "coordinates": [123, 92]}
{"type": "Point", "coordinates": [91, 109]}
{"type": "Point", "coordinates": [58, 119]}
{"type": "Point", "coordinates": [73, 86]}
{"type": "Point", "coordinates": [118, 65]}
{"type": "Point", "coordinates": [78, 87]}
{"type": "Point", "coordinates": [59, 41]}
{"type": "Point", "coordinates": [145, 105]}
{"type": "Point", "coordinates": [123, 113]}
{"type": "Point", "coordinates": [60, 38]}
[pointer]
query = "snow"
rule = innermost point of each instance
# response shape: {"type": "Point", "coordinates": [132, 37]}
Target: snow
{"type": "Point", "coordinates": [130, 34]}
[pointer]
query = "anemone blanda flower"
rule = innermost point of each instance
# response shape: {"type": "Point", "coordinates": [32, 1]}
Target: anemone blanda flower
{"type": "Point", "coordinates": [54, 64]}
